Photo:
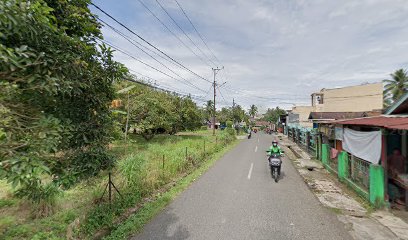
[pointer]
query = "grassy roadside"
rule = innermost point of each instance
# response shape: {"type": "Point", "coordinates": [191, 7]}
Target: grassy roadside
{"type": "Point", "coordinates": [139, 173]}
{"type": "Point", "coordinates": [136, 222]}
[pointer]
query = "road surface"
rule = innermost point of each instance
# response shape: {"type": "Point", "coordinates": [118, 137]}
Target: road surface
{"type": "Point", "coordinates": [238, 199]}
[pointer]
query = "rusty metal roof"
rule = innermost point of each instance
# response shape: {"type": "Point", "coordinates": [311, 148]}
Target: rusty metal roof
{"type": "Point", "coordinates": [393, 122]}
{"type": "Point", "coordinates": [340, 115]}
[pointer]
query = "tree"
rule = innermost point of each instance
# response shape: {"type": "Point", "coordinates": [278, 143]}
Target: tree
{"type": "Point", "coordinates": [224, 115]}
{"type": "Point", "coordinates": [272, 114]}
{"type": "Point", "coordinates": [57, 85]}
{"type": "Point", "coordinates": [253, 110]}
{"type": "Point", "coordinates": [239, 114]}
{"type": "Point", "coordinates": [189, 114]}
{"type": "Point", "coordinates": [152, 112]}
{"type": "Point", "coordinates": [396, 86]}
{"type": "Point", "coordinates": [209, 109]}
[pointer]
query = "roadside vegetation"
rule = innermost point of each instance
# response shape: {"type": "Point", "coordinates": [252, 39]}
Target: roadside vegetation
{"type": "Point", "coordinates": [144, 171]}
{"type": "Point", "coordinates": [65, 108]}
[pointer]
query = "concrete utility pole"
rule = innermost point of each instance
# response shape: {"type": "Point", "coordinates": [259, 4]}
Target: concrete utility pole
{"type": "Point", "coordinates": [215, 70]}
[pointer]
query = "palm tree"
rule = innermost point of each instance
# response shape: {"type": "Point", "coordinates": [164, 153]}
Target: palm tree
{"type": "Point", "coordinates": [209, 109]}
{"type": "Point", "coordinates": [253, 110]}
{"type": "Point", "coordinates": [396, 86]}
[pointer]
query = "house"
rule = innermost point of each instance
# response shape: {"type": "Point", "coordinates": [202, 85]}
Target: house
{"type": "Point", "coordinates": [370, 162]}
{"type": "Point", "coordinates": [299, 117]}
{"type": "Point", "coordinates": [210, 123]}
{"type": "Point", "coordinates": [360, 98]}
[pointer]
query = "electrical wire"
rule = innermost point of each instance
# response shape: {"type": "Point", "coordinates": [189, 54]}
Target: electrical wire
{"type": "Point", "coordinates": [147, 42]}
{"type": "Point", "coordinates": [181, 29]}
{"type": "Point", "coordinates": [130, 40]}
{"type": "Point", "coordinates": [198, 33]}
{"type": "Point", "coordinates": [168, 29]}
{"type": "Point", "coordinates": [146, 64]}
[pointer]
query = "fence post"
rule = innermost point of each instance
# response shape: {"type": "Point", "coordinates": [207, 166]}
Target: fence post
{"type": "Point", "coordinates": [342, 167]}
{"type": "Point", "coordinates": [163, 162]}
{"type": "Point", "coordinates": [376, 190]}
{"type": "Point", "coordinates": [204, 148]}
{"type": "Point", "coordinates": [325, 154]}
{"type": "Point", "coordinates": [308, 141]}
{"type": "Point", "coordinates": [186, 154]}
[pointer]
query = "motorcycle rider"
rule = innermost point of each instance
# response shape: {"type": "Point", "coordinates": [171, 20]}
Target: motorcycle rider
{"type": "Point", "coordinates": [275, 149]}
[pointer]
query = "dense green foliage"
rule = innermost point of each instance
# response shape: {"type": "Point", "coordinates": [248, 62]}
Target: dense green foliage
{"type": "Point", "coordinates": [57, 84]}
{"type": "Point", "coordinates": [236, 115]}
{"type": "Point", "coordinates": [152, 112]}
{"type": "Point", "coordinates": [272, 114]}
{"type": "Point", "coordinates": [396, 86]}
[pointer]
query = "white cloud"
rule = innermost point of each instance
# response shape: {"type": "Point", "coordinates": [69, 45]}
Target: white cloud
{"type": "Point", "coordinates": [285, 49]}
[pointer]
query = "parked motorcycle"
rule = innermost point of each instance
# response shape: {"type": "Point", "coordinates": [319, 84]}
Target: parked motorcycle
{"type": "Point", "coordinates": [249, 135]}
{"type": "Point", "coordinates": [275, 164]}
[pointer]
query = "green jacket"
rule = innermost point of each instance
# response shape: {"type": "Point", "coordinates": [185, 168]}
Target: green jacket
{"type": "Point", "coordinates": [276, 149]}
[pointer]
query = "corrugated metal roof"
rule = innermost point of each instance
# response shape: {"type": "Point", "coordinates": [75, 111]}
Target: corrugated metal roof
{"type": "Point", "coordinates": [379, 121]}
{"type": "Point", "coordinates": [399, 126]}
{"type": "Point", "coordinates": [400, 106]}
{"type": "Point", "coordinates": [341, 115]}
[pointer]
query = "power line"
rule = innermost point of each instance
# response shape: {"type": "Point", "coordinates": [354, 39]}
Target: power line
{"type": "Point", "coordinates": [137, 42]}
{"type": "Point", "coordinates": [219, 90]}
{"type": "Point", "coordinates": [181, 29]}
{"type": "Point", "coordinates": [168, 29]}
{"type": "Point", "coordinates": [146, 64]}
{"type": "Point", "coordinates": [197, 98]}
{"type": "Point", "coordinates": [195, 29]}
{"type": "Point", "coordinates": [147, 42]}
{"type": "Point", "coordinates": [130, 40]}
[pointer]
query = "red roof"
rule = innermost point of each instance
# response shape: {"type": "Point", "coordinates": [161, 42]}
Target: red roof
{"type": "Point", "coordinates": [379, 121]}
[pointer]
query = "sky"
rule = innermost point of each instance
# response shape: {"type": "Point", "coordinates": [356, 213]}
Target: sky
{"type": "Point", "coordinates": [274, 52]}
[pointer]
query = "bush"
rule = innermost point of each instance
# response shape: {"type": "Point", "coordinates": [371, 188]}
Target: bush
{"type": "Point", "coordinates": [229, 124]}
{"type": "Point", "coordinates": [43, 197]}
{"type": "Point", "coordinates": [204, 128]}
{"type": "Point", "coordinates": [228, 135]}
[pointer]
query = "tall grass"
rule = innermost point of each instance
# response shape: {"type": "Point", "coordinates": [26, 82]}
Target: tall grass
{"type": "Point", "coordinates": [139, 173]}
{"type": "Point", "coordinates": [151, 165]}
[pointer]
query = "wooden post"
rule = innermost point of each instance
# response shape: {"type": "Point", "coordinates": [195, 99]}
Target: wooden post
{"type": "Point", "coordinates": [308, 141]}
{"type": "Point", "coordinates": [163, 162]}
{"type": "Point", "coordinates": [204, 148]}
{"type": "Point", "coordinates": [186, 154]}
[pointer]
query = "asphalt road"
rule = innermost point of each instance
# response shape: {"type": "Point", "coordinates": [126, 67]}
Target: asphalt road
{"type": "Point", "coordinates": [238, 199]}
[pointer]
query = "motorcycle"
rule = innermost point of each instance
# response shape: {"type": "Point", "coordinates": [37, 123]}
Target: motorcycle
{"type": "Point", "coordinates": [249, 135]}
{"type": "Point", "coordinates": [275, 164]}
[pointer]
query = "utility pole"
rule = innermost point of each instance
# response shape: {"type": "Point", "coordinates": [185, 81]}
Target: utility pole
{"type": "Point", "coordinates": [215, 70]}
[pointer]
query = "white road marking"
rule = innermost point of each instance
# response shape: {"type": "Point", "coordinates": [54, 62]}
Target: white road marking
{"type": "Point", "coordinates": [256, 148]}
{"type": "Point", "coordinates": [250, 170]}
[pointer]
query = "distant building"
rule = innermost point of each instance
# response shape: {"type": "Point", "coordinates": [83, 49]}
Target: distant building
{"type": "Point", "coordinates": [361, 98]}
{"type": "Point", "coordinates": [299, 115]}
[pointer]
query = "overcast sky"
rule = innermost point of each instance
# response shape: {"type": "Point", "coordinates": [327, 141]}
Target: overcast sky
{"type": "Point", "coordinates": [274, 52]}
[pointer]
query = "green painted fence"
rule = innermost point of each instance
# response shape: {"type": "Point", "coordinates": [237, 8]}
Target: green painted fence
{"type": "Point", "coordinates": [377, 185]}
